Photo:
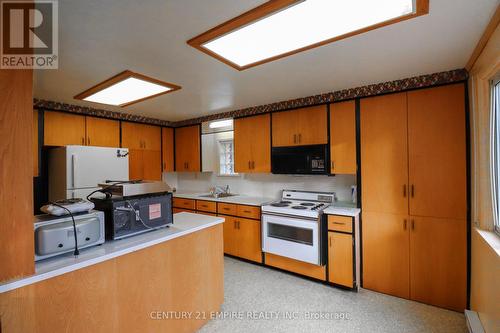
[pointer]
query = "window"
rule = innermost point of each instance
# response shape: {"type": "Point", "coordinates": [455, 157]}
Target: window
{"type": "Point", "coordinates": [495, 153]}
{"type": "Point", "coordinates": [226, 158]}
{"type": "Point", "coordinates": [279, 28]}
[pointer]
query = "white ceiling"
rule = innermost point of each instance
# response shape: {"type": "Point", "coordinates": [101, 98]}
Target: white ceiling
{"type": "Point", "coordinates": [100, 38]}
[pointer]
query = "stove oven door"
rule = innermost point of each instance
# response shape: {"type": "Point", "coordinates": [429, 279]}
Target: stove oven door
{"type": "Point", "coordinates": [292, 237]}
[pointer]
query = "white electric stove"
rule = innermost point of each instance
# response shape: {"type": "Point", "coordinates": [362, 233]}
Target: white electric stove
{"type": "Point", "coordinates": [294, 226]}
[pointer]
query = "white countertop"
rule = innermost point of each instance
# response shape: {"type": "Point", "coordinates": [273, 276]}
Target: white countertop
{"type": "Point", "coordinates": [342, 210]}
{"type": "Point", "coordinates": [184, 223]}
{"type": "Point", "coordinates": [235, 199]}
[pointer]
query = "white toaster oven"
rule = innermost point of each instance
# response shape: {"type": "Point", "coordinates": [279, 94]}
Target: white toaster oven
{"type": "Point", "coordinates": [54, 235]}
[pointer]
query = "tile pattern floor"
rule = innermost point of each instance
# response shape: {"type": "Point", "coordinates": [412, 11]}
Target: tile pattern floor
{"type": "Point", "coordinates": [253, 292]}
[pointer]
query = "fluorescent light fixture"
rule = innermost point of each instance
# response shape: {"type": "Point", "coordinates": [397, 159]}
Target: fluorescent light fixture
{"type": "Point", "coordinates": [221, 123]}
{"type": "Point", "coordinates": [286, 27]}
{"type": "Point", "coordinates": [126, 88]}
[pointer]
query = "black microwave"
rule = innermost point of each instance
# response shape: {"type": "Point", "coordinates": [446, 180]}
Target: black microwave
{"type": "Point", "coordinates": [300, 160]}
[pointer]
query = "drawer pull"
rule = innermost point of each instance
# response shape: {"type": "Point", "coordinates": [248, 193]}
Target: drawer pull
{"type": "Point", "coordinates": [341, 223]}
{"type": "Point", "coordinates": [225, 208]}
{"type": "Point", "coordinates": [246, 211]}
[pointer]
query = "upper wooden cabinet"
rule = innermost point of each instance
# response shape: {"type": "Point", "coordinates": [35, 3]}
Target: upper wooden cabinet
{"type": "Point", "coordinates": [144, 164]}
{"type": "Point", "coordinates": [252, 144]}
{"type": "Point", "coordinates": [141, 136]}
{"type": "Point", "coordinates": [437, 147]}
{"type": "Point", "coordinates": [187, 149]}
{"type": "Point", "coordinates": [167, 148]}
{"type": "Point", "coordinates": [384, 154]}
{"type": "Point", "coordinates": [301, 127]}
{"type": "Point", "coordinates": [343, 138]}
{"type": "Point", "coordinates": [62, 129]}
{"type": "Point", "coordinates": [103, 132]}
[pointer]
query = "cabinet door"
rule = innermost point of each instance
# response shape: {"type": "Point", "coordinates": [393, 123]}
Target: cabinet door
{"type": "Point", "coordinates": [306, 126]}
{"type": "Point", "coordinates": [437, 152]}
{"type": "Point", "coordinates": [103, 132]}
{"type": "Point", "coordinates": [248, 240]}
{"type": "Point", "coordinates": [340, 259]}
{"type": "Point", "coordinates": [384, 154]}
{"type": "Point", "coordinates": [62, 129]}
{"type": "Point", "coordinates": [131, 135]}
{"type": "Point", "coordinates": [167, 137]}
{"type": "Point", "coordinates": [187, 148]}
{"type": "Point", "coordinates": [438, 261]}
{"type": "Point", "coordinates": [252, 144]}
{"type": "Point", "coordinates": [230, 235]}
{"type": "Point", "coordinates": [35, 143]}
{"type": "Point", "coordinates": [135, 164]}
{"type": "Point", "coordinates": [386, 253]}
{"type": "Point", "coordinates": [312, 126]}
{"type": "Point", "coordinates": [343, 138]}
{"type": "Point", "coordinates": [151, 137]}
{"type": "Point", "coordinates": [151, 164]}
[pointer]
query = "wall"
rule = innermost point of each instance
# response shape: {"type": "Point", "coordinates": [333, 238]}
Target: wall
{"type": "Point", "coordinates": [485, 260]}
{"type": "Point", "coordinates": [16, 174]}
{"type": "Point", "coordinates": [262, 185]}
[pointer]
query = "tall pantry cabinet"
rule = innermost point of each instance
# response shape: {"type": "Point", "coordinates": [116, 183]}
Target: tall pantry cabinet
{"type": "Point", "coordinates": [414, 195]}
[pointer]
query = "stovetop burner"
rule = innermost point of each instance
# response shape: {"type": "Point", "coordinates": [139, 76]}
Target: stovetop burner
{"type": "Point", "coordinates": [299, 207]}
{"type": "Point", "coordinates": [307, 204]}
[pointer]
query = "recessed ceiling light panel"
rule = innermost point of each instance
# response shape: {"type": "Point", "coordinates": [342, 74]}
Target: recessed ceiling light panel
{"type": "Point", "coordinates": [279, 28]}
{"type": "Point", "coordinates": [125, 89]}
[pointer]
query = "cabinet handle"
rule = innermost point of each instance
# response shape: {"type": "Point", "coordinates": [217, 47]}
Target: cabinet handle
{"type": "Point", "coordinates": [412, 190]}
{"type": "Point", "coordinates": [300, 137]}
{"type": "Point", "coordinates": [249, 165]}
{"type": "Point", "coordinates": [83, 140]}
{"type": "Point", "coordinates": [295, 138]}
{"type": "Point", "coordinates": [404, 224]}
{"type": "Point", "coordinates": [225, 208]}
{"type": "Point", "coordinates": [412, 224]}
{"type": "Point", "coordinates": [88, 141]}
{"type": "Point", "coordinates": [333, 165]}
{"type": "Point", "coordinates": [341, 223]}
{"type": "Point", "coordinates": [253, 164]}
{"type": "Point", "coordinates": [330, 241]}
{"type": "Point", "coordinates": [404, 190]}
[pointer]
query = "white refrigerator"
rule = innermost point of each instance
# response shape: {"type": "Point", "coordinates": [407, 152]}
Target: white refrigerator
{"type": "Point", "coordinates": [75, 171]}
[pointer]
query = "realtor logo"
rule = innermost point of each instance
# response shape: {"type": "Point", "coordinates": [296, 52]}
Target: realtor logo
{"type": "Point", "coordinates": [29, 33]}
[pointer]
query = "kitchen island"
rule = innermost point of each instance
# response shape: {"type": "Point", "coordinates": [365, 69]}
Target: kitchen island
{"type": "Point", "coordinates": [168, 280]}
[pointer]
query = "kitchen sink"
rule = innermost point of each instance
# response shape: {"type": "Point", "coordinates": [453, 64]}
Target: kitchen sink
{"type": "Point", "coordinates": [217, 195]}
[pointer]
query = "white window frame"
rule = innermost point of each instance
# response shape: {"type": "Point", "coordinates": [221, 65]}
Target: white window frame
{"type": "Point", "coordinates": [495, 152]}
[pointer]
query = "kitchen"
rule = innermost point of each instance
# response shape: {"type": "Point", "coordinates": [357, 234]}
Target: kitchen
{"type": "Point", "coordinates": [364, 200]}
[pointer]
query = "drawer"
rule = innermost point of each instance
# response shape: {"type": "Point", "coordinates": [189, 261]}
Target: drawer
{"type": "Point", "coordinates": [206, 206]}
{"type": "Point", "coordinates": [184, 203]}
{"type": "Point", "coordinates": [250, 212]}
{"type": "Point", "coordinates": [225, 208]}
{"type": "Point", "coordinates": [340, 223]}
{"type": "Point", "coordinates": [180, 210]}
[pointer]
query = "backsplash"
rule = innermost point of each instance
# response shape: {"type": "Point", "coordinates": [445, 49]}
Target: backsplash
{"type": "Point", "coordinates": [262, 185]}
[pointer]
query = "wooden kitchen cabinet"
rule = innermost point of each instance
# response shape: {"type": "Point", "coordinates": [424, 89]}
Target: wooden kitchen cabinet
{"type": "Point", "coordinates": [184, 203]}
{"type": "Point", "coordinates": [141, 136]}
{"type": "Point", "coordinates": [438, 256]}
{"type": "Point", "coordinates": [386, 253]}
{"type": "Point", "coordinates": [384, 154]}
{"type": "Point", "coordinates": [62, 129]}
{"type": "Point", "coordinates": [144, 144]}
{"type": "Point", "coordinates": [437, 152]}
{"type": "Point", "coordinates": [187, 149]}
{"type": "Point", "coordinates": [248, 239]}
{"type": "Point", "coordinates": [230, 235]}
{"type": "Point", "coordinates": [300, 127]}
{"type": "Point", "coordinates": [340, 259]}
{"type": "Point", "coordinates": [102, 132]}
{"type": "Point", "coordinates": [252, 144]}
{"type": "Point", "coordinates": [343, 138]}
{"type": "Point", "coordinates": [167, 149]}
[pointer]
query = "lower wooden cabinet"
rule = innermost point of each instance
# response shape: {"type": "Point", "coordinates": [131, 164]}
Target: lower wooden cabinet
{"type": "Point", "coordinates": [340, 259]}
{"type": "Point", "coordinates": [242, 238]}
{"type": "Point", "coordinates": [438, 262]}
{"type": "Point", "coordinates": [418, 258]}
{"type": "Point", "coordinates": [386, 253]}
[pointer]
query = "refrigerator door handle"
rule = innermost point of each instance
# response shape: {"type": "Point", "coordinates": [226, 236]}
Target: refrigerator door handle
{"type": "Point", "coordinates": [73, 170]}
